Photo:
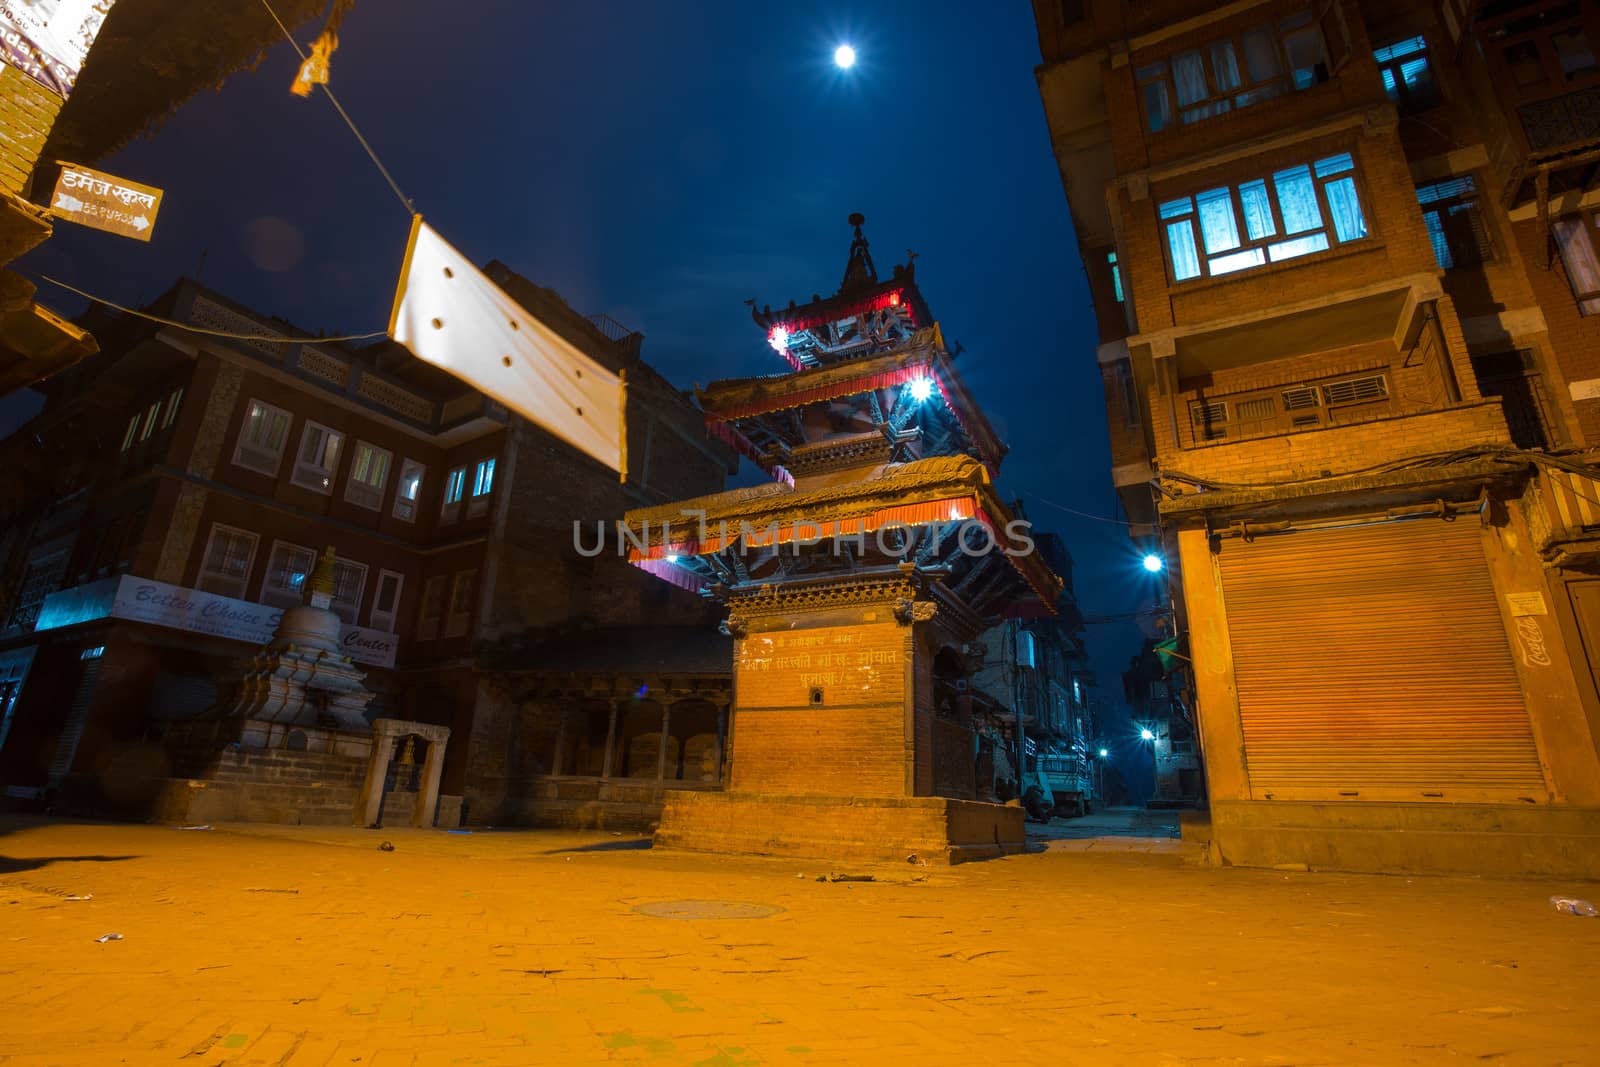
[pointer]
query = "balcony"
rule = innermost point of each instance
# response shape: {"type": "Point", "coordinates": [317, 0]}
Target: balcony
{"type": "Point", "coordinates": [1542, 62]}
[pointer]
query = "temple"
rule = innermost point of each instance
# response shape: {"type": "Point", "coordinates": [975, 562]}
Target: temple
{"type": "Point", "coordinates": [856, 581]}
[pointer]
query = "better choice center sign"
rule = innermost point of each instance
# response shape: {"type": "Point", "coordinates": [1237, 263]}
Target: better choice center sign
{"type": "Point", "coordinates": [173, 606]}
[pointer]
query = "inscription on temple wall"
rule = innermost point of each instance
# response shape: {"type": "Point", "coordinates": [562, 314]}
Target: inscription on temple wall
{"type": "Point", "coordinates": [850, 664]}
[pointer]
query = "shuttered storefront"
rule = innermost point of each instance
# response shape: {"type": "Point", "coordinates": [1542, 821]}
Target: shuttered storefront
{"type": "Point", "coordinates": [1372, 663]}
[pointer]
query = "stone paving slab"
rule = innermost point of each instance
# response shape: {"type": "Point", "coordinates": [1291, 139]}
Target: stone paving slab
{"type": "Point", "coordinates": [309, 946]}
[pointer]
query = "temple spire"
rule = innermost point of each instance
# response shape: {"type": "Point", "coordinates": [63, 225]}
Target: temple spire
{"type": "Point", "coordinates": [859, 272]}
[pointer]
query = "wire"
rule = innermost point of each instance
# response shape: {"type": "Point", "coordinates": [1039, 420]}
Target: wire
{"type": "Point", "coordinates": [276, 338]}
{"type": "Point", "coordinates": [1082, 514]}
{"type": "Point", "coordinates": [404, 200]}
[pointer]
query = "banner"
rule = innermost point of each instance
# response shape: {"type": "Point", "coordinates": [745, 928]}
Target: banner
{"type": "Point", "coordinates": [160, 604]}
{"type": "Point", "coordinates": [448, 314]}
{"type": "Point", "coordinates": [48, 39]}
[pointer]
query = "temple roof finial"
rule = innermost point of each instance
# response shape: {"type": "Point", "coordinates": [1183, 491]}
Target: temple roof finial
{"type": "Point", "coordinates": [859, 271]}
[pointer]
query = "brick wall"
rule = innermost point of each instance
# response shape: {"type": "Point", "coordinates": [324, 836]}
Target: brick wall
{"type": "Point", "coordinates": [1574, 339]}
{"type": "Point", "coordinates": [27, 111]}
{"type": "Point", "coordinates": [1346, 448]}
{"type": "Point", "coordinates": [853, 744]}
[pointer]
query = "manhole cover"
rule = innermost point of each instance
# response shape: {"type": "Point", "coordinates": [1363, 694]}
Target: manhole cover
{"type": "Point", "coordinates": [707, 909]}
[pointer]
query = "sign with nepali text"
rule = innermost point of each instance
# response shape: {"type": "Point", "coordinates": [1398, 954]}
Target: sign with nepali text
{"type": "Point", "coordinates": [828, 666]}
{"type": "Point", "coordinates": [103, 202]}
{"type": "Point", "coordinates": [160, 604]}
{"type": "Point", "coordinates": [48, 39]}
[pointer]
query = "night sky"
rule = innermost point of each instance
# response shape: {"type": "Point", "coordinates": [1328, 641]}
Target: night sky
{"type": "Point", "coordinates": [663, 163]}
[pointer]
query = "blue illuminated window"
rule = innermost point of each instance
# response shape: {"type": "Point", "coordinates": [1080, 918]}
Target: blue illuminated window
{"type": "Point", "coordinates": [454, 485]}
{"type": "Point", "coordinates": [1407, 76]}
{"type": "Point", "coordinates": [1116, 275]}
{"type": "Point", "coordinates": [1297, 212]}
{"type": "Point", "coordinates": [483, 478]}
{"type": "Point", "coordinates": [1455, 222]}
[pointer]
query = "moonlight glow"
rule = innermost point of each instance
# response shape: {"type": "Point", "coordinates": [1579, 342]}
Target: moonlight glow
{"type": "Point", "coordinates": [844, 57]}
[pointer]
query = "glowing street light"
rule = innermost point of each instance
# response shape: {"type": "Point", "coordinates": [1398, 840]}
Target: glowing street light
{"type": "Point", "coordinates": [1104, 753]}
{"type": "Point", "coordinates": [921, 389]}
{"type": "Point", "coordinates": [672, 559]}
{"type": "Point", "coordinates": [1153, 563]}
{"type": "Point", "coordinates": [1146, 734]}
{"type": "Point", "coordinates": [844, 57]}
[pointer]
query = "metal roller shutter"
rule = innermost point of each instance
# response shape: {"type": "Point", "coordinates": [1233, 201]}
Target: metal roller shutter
{"type": "Point", "coordinates": [1372, 663]}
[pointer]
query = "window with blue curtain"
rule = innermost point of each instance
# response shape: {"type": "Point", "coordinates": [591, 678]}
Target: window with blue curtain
{"type": "Point", "coordinates": [1299, 211]}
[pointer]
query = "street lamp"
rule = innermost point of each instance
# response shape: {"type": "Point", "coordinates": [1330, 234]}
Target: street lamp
{"type": "Point", "coordinates": [1153, 563]}
{"type": "Point", "coordinates": [921, 389]}
{"type": "Point", "coordinates": [1145, 734]}
{"type": "Point", "coordinates": [844, 57]}
{"type": "Point", "coordinates": [1104, 753]}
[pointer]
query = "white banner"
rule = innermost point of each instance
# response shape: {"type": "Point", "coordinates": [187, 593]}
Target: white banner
{"type": "Point", "coordinates": [449, 314]}
{"type": "Point", "coordinates": [159, 604]}
{"type": "Point", "coordinates": [48, 40]}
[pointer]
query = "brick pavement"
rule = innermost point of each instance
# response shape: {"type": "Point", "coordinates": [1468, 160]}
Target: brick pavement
{"type": "Point", "coordinates": [309, 946]}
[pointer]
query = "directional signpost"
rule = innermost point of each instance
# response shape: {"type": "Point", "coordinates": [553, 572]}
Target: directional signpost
{"type": "Point", "coordinates": [104, 202]}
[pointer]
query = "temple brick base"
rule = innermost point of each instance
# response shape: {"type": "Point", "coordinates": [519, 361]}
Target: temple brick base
{"type": "Point", "coordinates": [937, 830]}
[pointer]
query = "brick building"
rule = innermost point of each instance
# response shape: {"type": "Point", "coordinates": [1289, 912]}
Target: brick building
{"type": "Point", "coordinates": [1039, 667]}
{"type": "Point", "coordinates": [1342, 258]}
{"type": "Point", "coordinates": [173, 494]}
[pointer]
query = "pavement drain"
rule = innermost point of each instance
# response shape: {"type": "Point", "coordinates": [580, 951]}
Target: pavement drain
{"type": "Point", "coordinates": [706, 909]}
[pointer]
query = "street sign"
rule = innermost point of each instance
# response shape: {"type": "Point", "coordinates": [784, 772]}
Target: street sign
{"type": "Point", "coordinates": [104, 202]}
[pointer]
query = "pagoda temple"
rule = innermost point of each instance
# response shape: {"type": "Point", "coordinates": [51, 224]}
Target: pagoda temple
{"type": "Point", "coordinates": [857, 582]}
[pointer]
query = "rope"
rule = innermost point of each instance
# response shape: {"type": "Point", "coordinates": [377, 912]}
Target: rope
{"type": "Point", "coordinates": [404, 200]}
{"type": "Point", "coordinates": [231, 335]}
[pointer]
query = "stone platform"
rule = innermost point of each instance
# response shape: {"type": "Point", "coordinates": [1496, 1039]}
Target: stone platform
{"type": "Point", "coordinates": [1497, 840]}
{"type": "Point", "coordinates": [937, 830]}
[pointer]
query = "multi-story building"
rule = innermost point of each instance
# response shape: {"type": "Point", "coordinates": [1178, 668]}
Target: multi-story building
{"type": "Point", "coordinates": [1151, 690]}
{"type": "Point", "coordinates": [175, 491]}
{"type": "Point", "coordinates": [1343, 269]}
{"type": "Point", "coordinates": [1036, 671]}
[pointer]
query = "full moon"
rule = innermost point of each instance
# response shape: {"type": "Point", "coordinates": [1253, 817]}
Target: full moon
{"type": "Point", "coordinates": [844, 57]}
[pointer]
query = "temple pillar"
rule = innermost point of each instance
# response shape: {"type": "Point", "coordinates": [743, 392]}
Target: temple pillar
{"type": "Point", "coordinates": [432, 770]}
{"type": "Point", "coordinates": [558, 757]}
{"type": "Point", "coordinates": [666, 737]}
{"type": "Point", "coordinates": [371, 803]}
{"type": "Point", "coordinates": [607, 764]}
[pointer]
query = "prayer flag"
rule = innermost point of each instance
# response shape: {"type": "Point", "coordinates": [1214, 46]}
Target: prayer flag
{"type": "Point", "coordinates": [449, 314]}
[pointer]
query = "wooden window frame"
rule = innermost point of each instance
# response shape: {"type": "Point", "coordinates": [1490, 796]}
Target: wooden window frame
{"type": "Point", "coordinates": [313, 476]}
{"type": "Point", "coordinates": [202, 575]}
{"type": "Point", "coordinates": [1279, 235]}
{"type": "Point", "coordinates": [362, 491]}
{"type": "Point", "coordinates": [281, 595]}
{"type": "Point", "coordinates": [1478, 220]}
{"type": "Point", "coordinates": [378, 618]}
{"type": "Point", "coordinates": [463, 586]}
{"type": "Point", "coordinates": [406, 507]}
{"type": "Point", "coordinates": [1249, 92]}
{"type": "Point", "coordinates": [243, 443]}
{"type": "Point", "coordinates": [431, 606]}
{"type": "Point", "coordinates": [455, 489]}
